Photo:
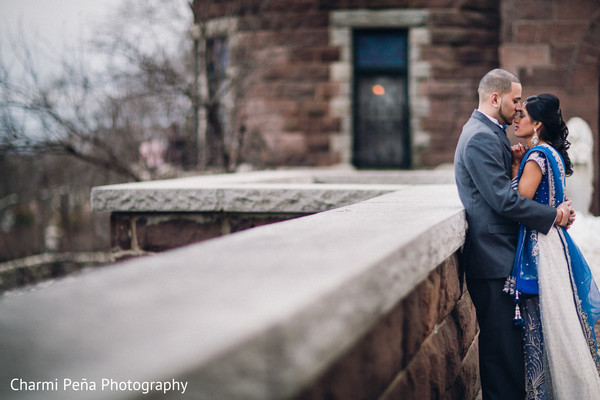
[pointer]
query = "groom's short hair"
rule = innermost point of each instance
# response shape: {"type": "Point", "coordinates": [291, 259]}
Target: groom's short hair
{"type": "Point", "coordinates": [497, 80]}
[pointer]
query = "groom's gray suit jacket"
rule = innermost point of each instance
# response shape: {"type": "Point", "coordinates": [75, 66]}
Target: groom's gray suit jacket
{"type": "Point", "coordinates": [482, 164]}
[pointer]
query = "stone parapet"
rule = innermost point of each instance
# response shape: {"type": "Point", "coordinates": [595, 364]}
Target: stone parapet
{"type": "Point", "coordinates": [300, 191]}
{"type": "Point", "coordinates": [276, 312]}
{"type": "Point", "coordinates": [158, 215]}
{"type": "Point", "coordinates": [424, 348]}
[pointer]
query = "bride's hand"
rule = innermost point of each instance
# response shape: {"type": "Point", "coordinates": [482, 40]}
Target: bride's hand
{"type": "Point", "coordinates": [518, 152]}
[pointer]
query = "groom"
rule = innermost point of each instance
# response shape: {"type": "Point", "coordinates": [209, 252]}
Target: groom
{"type": "Point", "coordinates": [482, 165]}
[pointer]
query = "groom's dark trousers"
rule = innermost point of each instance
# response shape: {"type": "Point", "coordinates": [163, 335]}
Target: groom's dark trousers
{"type": "Point", "coordinates": [482, 165]}
{"type": "Point", "coordinates": [501, 362]}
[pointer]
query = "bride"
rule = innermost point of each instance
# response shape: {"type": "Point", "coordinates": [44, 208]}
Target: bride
{"type": "Point", "coordinates": [557, 300]}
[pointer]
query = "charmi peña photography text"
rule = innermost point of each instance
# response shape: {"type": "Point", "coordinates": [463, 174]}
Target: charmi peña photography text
{"type": "Point", "coordinates": [104, 384]}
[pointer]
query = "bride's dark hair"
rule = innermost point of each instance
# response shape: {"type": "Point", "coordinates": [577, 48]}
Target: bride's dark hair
{"type": "Point", "coordinates": [545, 108]}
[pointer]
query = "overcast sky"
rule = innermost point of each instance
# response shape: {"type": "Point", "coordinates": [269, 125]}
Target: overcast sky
{"type": "Point", "coordinates": [65, 27]}
{"type": "Point", "coordinates": [55, 20]}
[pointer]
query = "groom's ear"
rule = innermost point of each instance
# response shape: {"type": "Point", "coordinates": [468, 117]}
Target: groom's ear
{"type": "Point", "coordinates": [494, 99]}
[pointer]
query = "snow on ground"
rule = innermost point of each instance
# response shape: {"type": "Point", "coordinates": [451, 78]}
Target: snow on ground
{"type": "Point", "coordinates": [586, 234]}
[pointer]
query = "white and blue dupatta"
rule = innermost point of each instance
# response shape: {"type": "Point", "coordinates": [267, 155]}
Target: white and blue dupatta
{"type": "Point", "coordinates": [523, 280]}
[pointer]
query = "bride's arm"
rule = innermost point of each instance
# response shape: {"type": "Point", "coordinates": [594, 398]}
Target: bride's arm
{"type": "Point", "coordinates": [530, 179]}
{"type": "Point", "coordinates": [528, 184]}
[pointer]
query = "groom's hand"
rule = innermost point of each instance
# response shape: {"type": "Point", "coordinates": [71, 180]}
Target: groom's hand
{"type": "Point", "coordinates": [571, 215]}
{"type": "Point", "coordinates": [565, 214]}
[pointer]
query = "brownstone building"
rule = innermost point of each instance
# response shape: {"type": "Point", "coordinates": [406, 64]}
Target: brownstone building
{"type": "Point", "coordinates": [384, 83]}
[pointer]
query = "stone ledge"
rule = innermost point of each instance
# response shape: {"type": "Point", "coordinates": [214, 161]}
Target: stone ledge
{"type": "Point", "coordinates": [302, 191]}
{"type": "Point", "coordinates": [253, 315]}
{"type": "Point", "coordinates": [293, 198]}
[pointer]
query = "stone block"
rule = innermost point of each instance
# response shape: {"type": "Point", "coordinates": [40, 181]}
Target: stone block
{"type": "Point", "coordinates": [318, 143]}
{"type": "Point", "coordinates": [291, 5]}
{"type": "Point", "coordinates": [366, 370]}
{"type": "Point", "coordinates": [575, 10]}
{"type": "Point", "coordinates": [450, 290]}
{"type": "Point", "coordinates": [436, 371]}
{"type": "Point", "coordinates": [531, 10]}
{"type": "Point", "coordinates": [430, 294]}
{"type": "Point", "coordinates": [466, 321]}
{"type": "Point", "coordinates": [475, 55]}
{"type": "Point", "coordinates": [327, 91]}
{"type": "Point", "coordinates": [588, 54]}
{"type": "Point", "coordinates": [330, 124]}
{"type": "Point", "coordinates": [340, 106]}
{"type": "Point", "coordinates": [461, 36]}
{"type": "Point", "coordinates": [295, 90]}
{"type": "Point", "coordinates": [328, 54]}
{"type": "Point", "coordinates": [583, 76]}
{"type": "Point", "coordinates": [381, 365]}
{"type": "Point", "coordinates": [562, 54]}
{"type": "Point", "coordinates": [526, 32]}
{"type": "Point", "coordinates": [462, 18]}
{"type": "Point", "coordinates": [415, 326]}
{"type": "Point", "coordinates": [445, 362]}
{"type": "Point", "coordinates": [563, 32]}
{"type": "Point", "coordinates": [419, 36]}
{"type": "Point", "coordinates": [456, 72]}
{"type": "Point", "coordinates": [302, 55]}
{"type": "Point", "coordinates": [287, 19]}
{"type": "Point", "coordinates": [367, 18]}
{"type": "Point", "coordinates": [295, 72]}
{"type": "Point", "coordinates": [341, 72]}
{"type": "Point", "coordinates": [489, 6]}
{"type": "Point", "coordinates": [514, 56]}
{"type": "Point", "coordinates": [541, 76]}
{"type": "Point", "coordinates": [121, 232]}
{"type": "Point", "coordinates": [432, 3]}
{"type": "Point", "coordinates": [438, 53]}
{"type": "Point", "coordinates": [313, 108]}
{"type": "Point", "coordinates": [159, 233]}
{"type": "Point", "coordinates": [468, 384]}
{"type": "Point", "coordinates": [442, 91]}
{"type": "Point", "coordinates": [324, 159]}
{"type": "Point", "coordinates": [593, 33]}
{"type": "Point", "coordinates": [305, 37]}
{"type": "Point", "coordinates": [144, 232]}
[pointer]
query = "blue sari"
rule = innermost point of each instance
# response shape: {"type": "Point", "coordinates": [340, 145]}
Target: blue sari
{"type": "Point", "coordinates": [522, 284]}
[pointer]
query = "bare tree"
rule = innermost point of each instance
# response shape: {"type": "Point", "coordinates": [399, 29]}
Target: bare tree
{"type": "Point", "coordinates": [167, 89]}
{"type": "Point", "coordinates": [104, 116]}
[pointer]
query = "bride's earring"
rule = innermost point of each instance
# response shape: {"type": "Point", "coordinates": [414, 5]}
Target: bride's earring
{"type": "Point", "coordinates": [535, 139]}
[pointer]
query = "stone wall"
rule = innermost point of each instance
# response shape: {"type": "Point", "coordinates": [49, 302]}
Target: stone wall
{"type": "Point", "coordinates": [359, 301]}
{"type": "Point", "coordinates": [554, 47]}
{"type": "Point", "coordinates": [299, 92]}
{"type": "Point", "coordinates": [424, 348]}
{"type": "Point", "coordinates": [156, 216]}
{"type": "Point", "coordinates": [142, 232]}
{"type": "Point", "coordinates": [463, 47]}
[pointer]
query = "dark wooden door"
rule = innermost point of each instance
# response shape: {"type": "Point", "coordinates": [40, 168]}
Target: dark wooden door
{"type": "Point", "coordinates": [381, 130]}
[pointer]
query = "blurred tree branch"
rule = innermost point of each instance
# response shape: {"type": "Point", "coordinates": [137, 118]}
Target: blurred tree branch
{"type": "Point", "coordinates": [136, 82]}
{"type": "Point", "coordinates": [65, 104]}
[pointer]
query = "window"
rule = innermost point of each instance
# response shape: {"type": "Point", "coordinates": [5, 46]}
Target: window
{"type": "Point", "coordinates": [381, 132]}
